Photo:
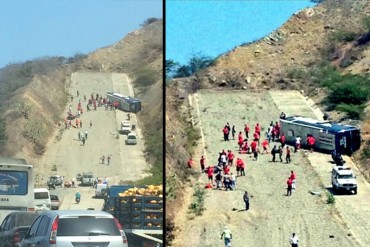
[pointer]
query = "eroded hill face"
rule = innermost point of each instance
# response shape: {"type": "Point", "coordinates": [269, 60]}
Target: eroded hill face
{"type": "Point", "coordinates": [47, 95]}
{"type": "Point", "coordinates": [301, 42]}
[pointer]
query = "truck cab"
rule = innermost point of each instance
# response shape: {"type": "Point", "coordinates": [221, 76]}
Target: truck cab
{"type": "Point", "coordinates": [343, 179]}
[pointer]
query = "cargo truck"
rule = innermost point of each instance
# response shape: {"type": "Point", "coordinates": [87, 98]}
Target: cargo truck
{"type": "Point", "coordinates": [140, 216]}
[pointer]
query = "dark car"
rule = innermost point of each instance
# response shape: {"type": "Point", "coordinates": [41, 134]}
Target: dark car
{"type": "Point", "coordinates": [54, 202]}
{"type": "Point", "coordinates": [14, 228]}
{"type": "Point", "coordinates": [79, 228]}
{"type": "Point", "coordinates": [56, 180]}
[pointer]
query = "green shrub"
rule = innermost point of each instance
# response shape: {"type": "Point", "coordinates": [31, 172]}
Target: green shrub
{"type": "Point", "coordinates": [192, 135]}
{"type": "Point", "coordinates": [365, 154]}
{"type": "Point", "coordinates": [349, 89]}
{"type": "Point", "coordinates": [145, 77]}
{"type": "Point", "coordinates": [296, 73]}
{"type": "Point", "coordinates": [352, 111]}
{"type": "Point", "coordinates": [366, 22]}
{"type": "Point", "coordinates": [330, 199]}
{"type": "Point", "coordinates": [343, 36]}
{"type": "Point", "coordinates": [197, 207]}
{"type": "Point", "coordinates": [171, 188]}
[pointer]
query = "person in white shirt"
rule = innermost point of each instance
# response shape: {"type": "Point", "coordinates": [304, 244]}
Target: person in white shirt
{"type": "Point", "coordinates": [294, 240]}
{"type": "Point", "coordinates": [226, 234]}
{"type": "Point", "coordinates": [297, 144]}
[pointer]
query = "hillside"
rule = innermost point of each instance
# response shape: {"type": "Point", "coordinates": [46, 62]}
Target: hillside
{"type": "Point", "coordinates": [331, 33]}
{"type": "Point", "coordinates": [44, 93]}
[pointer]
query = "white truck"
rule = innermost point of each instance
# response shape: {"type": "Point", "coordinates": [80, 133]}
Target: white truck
{"type": "Point", "coordinates": [343, 179]}
{"type": "Point", "coordinates": [101, 190]}
{"type": "Point", "coordinates": [125, 127]}
{"type": "Point", "coordinates": [87, 178]}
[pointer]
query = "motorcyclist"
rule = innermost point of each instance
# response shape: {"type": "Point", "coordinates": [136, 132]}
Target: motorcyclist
{"type": "Point", "coordinates": [78, 196]}
{"type": "Point", "coordinates": [51, 184]}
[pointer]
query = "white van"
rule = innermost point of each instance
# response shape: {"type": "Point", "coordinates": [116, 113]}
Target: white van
{"type": "Point", "coordinates": [42, 199]}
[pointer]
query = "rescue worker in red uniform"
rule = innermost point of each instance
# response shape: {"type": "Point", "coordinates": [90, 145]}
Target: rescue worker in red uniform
{"type": "Point", "coordinates": [190, 163]}
{"type": "Point", "coordinates": [202, 163]}
{"type": "Point", "coordinates": [265, 145]}
{"type": "Point", "coordinates": [246, 130]}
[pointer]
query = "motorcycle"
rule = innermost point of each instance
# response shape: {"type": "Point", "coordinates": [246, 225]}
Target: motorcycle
{"type": "Point", "coordinates": [78, 200]}
{"type": "Point", "coordinates": [51, 186]}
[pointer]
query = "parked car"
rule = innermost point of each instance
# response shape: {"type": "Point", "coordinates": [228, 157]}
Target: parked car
{"type": "Point", "coordinates": [54, 202]}
{"type": "Point", "coordinates": [75, 228]}
{"type": "Point", "coordinates": [14, 228]}
{"type": "Point", "coordinates": [56, 179]}
{"type": "Point", "coordinates": [131, 139]}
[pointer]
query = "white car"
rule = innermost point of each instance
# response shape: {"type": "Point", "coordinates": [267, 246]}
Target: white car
{"type": "Point", "coordinates": [342, 178]}
{"type": "Point", "coordinates": [79, 228]}
{"type": "Point", "coordinates": [131, 139]}
{"type": "Point", "coordinates": [125, 127]}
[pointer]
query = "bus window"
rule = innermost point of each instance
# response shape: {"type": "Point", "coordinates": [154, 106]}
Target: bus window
{"type": "Point", "coordinates": [13, 182]}
{"type": "Point", "coordinates": [290, 133]}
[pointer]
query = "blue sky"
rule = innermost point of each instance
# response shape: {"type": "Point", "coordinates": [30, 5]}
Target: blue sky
{"type": "Point", "coordinates": [30, 29]}
{"type": "Point", "coordinates": [213, 27]}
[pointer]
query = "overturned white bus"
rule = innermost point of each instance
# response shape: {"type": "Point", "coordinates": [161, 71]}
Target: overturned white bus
{"type": "Point", "coordinates": [329, 136]}
{"type": "Point", "coordinates": [125, 103]}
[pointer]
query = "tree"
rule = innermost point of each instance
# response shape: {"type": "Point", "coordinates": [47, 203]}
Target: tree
{"type": "Point", "coordinates": [149, 21]}
{"type": "Point", "coordinates": [171, 68]}
{"type": "Point", "coordinates": [183, 71]}
{"type": "Point", "coordinates": [195, 64]}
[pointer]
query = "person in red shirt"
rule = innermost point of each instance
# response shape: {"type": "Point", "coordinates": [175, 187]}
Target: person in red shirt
{"type": "Point", "coordinates": [289, 182]}
{"type": "Point", "coordinates": [265, 145]}
{"type": "Point", "coordinates": [210, 174]}
{"type": "Point", "coordinates": [240, 136]}
{"type": "Point", "coordinates": [253, 146]}
{"type": "Point", "coordinates": [227, 169]}
{"type": "Point", "coordinates": [282, 140]}
{"type": "Point", "coordinates": [240, 143]}
{"type": "Point", "coordinates": [240, 167]}
{"type": "Point", "coordinates": [277, 128]}
{"type": "Point", "coordinates": [225, 130]}
{"type": "Point", "coordinates": [230, 158]}
{"type": "Point", "coordinates": [190, 162]}
{"type": "Point", "coordinates": [202, 163]}
{"type": "Point", "coordinates": [293, 177]}
{"type": "Point", "coordinates": [246, 130]}
{"type": "Point", "coordinates": [245, 148]}
{"type": "Point", "coordinates": [311, 143]}
{"type": "Point", "coordinates": [257, 129]}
